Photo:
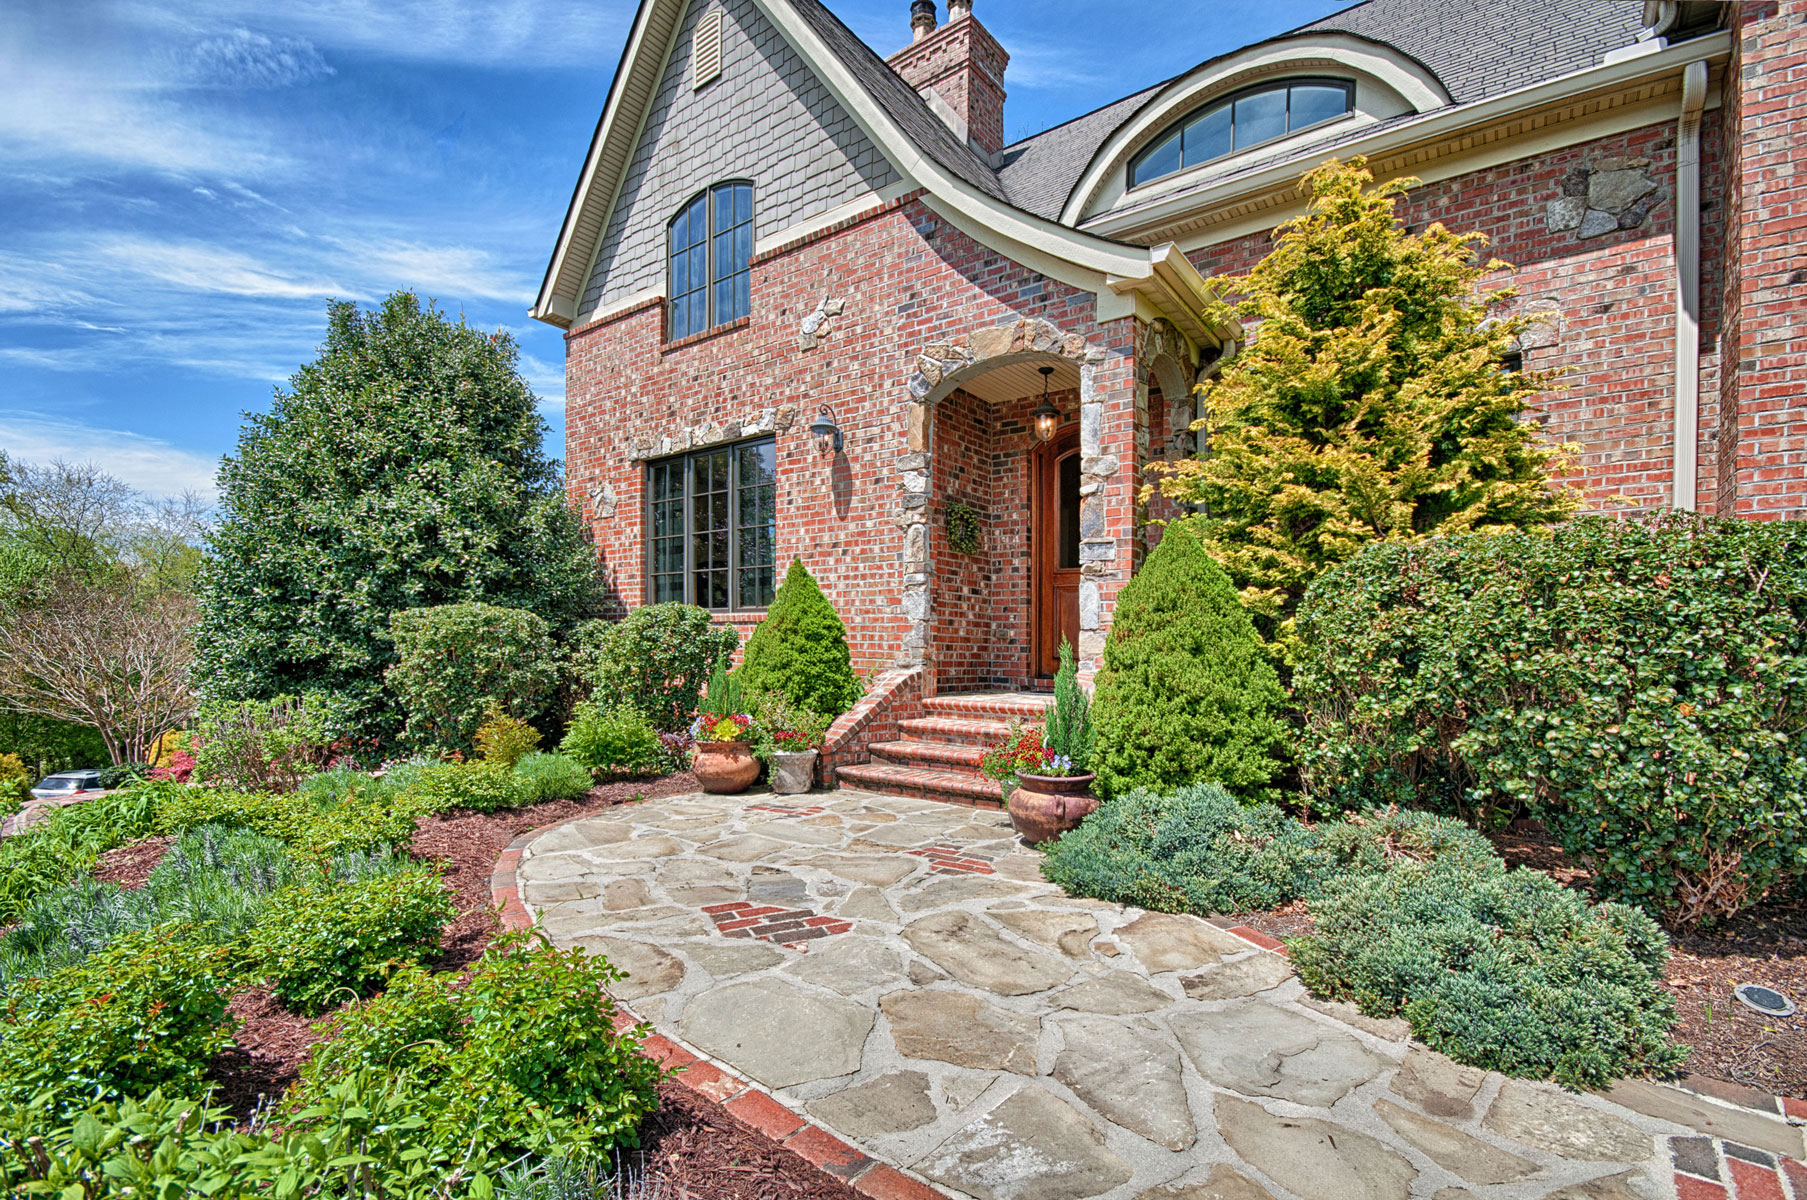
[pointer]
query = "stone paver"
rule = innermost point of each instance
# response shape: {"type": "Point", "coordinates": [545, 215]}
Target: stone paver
{"type": "Point", "coordinates": [981, 1030]}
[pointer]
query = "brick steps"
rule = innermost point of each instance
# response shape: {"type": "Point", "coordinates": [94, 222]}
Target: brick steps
{"type": "Point", "coordinates": [923, 783]}
{"type": "Point", "coordinates": [928, 754]}
{"type": "Point", "coordinates": [993, 705]}
{"type": "Point", "coordinates": [953, 732]}
{"type": "Point", "coordinates": [937, 756]}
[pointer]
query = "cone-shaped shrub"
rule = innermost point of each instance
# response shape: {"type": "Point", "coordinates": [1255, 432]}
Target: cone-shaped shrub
{"type": "Point", "coordinates": [1187, 694]}
{"type": "Point", "coordinates": [800, 649]}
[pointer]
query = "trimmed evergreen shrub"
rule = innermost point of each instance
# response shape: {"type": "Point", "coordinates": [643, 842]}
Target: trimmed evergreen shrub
{"type": "Point", "coordinates": [612, 741]}
{"type": "Point", "coordinates": [1641, 687]}
{"type": "Point", "coordinates": [324, 942]}
{"type": "Point", "coordinates": [1512, 971]}
{"type": "Point", "coordinates": [551, 777]}
{"type": "Point", "coordinates": [800, 649]}
{"type": "Point", "coordinates": [456, 661]}
{"type": "Point", "coordinates": [657, 659]}
{"type": "Point", "coordinates": [1186, 693]}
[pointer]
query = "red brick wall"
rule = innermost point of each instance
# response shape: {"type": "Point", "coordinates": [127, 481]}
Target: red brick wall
{"type": "Point", "coordinates": [964, 65]}
{"type": "Point", "coordinates": [907, 280]}
{"type": "Point", "coordinates": [1765, 341]}
{"type": "Point", "coordinates": [1615, 294]}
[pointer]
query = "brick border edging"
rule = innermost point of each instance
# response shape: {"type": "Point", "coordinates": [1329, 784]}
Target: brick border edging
{"type": "Point", "coordinates": [752, 1105]}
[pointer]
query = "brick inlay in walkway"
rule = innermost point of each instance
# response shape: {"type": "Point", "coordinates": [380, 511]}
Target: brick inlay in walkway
{"type": "Point", "coordinates": [945, 859]}
{"type": "Point", "coordinates": [788, 810]}
{"type": "Point", "coordinates": [770, 923]}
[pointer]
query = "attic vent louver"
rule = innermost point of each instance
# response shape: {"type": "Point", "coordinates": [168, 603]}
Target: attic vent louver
{"type": "Point", "coordinates": [706, 49]}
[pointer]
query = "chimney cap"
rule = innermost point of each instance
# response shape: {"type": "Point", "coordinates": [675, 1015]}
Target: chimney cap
{"type": "Point", "coordinates": [922, 19]}
{"type": "Point", "coordinates": [957, 9]}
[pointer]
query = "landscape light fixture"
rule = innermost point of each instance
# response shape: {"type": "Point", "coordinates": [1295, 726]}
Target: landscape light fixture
{"type": "Point", "coordinates": [825, 431]}
{"type": "Point", "coordinates": [1047, 417]}
{"type": "Point", "coordinates": [1767, 1001]}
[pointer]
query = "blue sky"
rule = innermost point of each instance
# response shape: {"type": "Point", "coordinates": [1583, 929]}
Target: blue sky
{"type": "Point", "coordinates": [184, 183]}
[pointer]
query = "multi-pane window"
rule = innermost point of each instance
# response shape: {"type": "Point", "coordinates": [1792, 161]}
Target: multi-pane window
{"type": "Point", "coordinates": [711, 245]}
{"type": "Point", "coordinates": [1250, 117]}
{"type": "Point", "coordinates": [712, 525]}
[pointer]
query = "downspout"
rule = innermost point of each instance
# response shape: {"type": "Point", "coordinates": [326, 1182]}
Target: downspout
{"type": "Point", "coordinates": [1687, 286]}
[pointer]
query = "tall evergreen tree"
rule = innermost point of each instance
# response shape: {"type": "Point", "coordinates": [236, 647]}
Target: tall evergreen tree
{"type": "Point", "coordinates": [800, 649]}
{"type": "Point", "coordinates": [1372, 402]}
{"type": "Point", "coordinates": [402, 468]}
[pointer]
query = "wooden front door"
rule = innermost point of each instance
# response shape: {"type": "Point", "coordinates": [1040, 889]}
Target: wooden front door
{"type": "Point", "coordinates": [1054, 542]}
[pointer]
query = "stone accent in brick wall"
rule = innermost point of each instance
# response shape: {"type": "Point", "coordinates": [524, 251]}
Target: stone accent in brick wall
{"type": "Point", "coordinates": [647, 445]}
{"type": "Point", "coordinates": [1612, 193]}
{"type": "Point", "coordinates": [767, 119]}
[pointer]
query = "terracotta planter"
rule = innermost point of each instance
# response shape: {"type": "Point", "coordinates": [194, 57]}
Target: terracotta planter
{"type": "Point", "coordinates": [1045, 806]}
{"type": "Point", "coordinates": [724, 768]}
{"type": "Point", "coordinates": [793, 772]}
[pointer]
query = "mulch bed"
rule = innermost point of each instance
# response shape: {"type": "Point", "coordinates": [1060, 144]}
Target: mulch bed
{"type": "Point", "coordinates": [692, 1145]}
{"type": "Point", "coordinates": [1765, 945]}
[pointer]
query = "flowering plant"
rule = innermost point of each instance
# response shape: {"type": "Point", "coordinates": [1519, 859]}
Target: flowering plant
{"type": "Point", "coordinates": [735, 727]}
{"type": "Point", "coordinates": [177, 767]}
{"type": "Point", "coordinates": [784, 728]}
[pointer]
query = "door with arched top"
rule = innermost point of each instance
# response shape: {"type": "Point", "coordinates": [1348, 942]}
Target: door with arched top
{"type": "Point", "coordinates": [1054, 547]}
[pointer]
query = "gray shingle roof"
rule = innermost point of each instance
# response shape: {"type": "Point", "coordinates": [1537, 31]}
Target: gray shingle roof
{"type": "Point", "coordinates": [900, 100]}
{"type": "Point", "coordinates": [1477, 48]}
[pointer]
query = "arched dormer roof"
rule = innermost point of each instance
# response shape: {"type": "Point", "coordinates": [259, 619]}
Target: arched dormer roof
{"type": "Point", "coordinates": [1393, 82]}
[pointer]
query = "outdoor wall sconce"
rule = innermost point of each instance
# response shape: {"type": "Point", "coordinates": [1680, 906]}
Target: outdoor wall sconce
{"type": "Point", "coordinates": [825, 431]}
{"type": "Point", "coordinates": [1047, 417]}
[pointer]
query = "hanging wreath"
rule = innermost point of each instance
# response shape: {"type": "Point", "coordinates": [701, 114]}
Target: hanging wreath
{"type": "Point", "coordinates": [962, 528]}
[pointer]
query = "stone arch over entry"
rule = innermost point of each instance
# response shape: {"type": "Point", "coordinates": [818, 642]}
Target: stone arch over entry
{"type": "Point", "coordinates": [939, 370]}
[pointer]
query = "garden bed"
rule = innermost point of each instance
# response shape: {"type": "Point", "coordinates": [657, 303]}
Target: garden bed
{"type": "Point", "coordinates": [1766, 945]}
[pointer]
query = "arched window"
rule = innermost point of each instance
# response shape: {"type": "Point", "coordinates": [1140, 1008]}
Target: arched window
{"type": "Point", "coordinates": [711, 243]}
{"type": "Point", "coordinates": [1258, 114]}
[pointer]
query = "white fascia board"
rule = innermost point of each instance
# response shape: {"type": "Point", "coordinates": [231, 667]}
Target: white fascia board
{"type": "Point", "coordinates": [1017, 229]}
{"type": "Point", "coordinates": [1441, 124]}
{"type": "Point", "coordinates": [547, 306]}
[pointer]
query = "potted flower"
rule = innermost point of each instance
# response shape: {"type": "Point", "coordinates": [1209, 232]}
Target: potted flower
{"type": "Point", "coordinates": [789, 740]}
{"type": "Point", "coordinates": [724, 762]}
{"type": "Point", "coordinates": [1046, 772]}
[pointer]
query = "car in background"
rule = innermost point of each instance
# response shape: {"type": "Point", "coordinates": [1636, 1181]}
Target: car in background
{"type": "Point", "coordinates": [65, 784]}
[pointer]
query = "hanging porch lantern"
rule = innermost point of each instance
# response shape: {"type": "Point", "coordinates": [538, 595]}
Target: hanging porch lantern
{"type": "Point", "coordinates": [1046, 416]}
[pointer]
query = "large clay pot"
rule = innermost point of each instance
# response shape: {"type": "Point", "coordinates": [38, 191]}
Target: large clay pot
{"type": "Point", "coordinates": [1045, 806]}
{"type": "Point", "coordinates": [724, 768]}
{"type": "Point", "coordinates": [793, 771]}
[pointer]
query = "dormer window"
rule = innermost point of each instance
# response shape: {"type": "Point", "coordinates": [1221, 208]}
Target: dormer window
{"type": "Point", "coordinates": [711, 242]}
{"type": "Point", "coordinates": [1248, 118]}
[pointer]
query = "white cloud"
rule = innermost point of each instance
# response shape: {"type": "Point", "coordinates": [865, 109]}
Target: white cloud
{"type": "Point", "coordinates": [151, 465]}
{"type": "Point", "coordinates": [242, 58]}
{"type": "Point", "coordinates": [450, 273]}
{"type": "Point", "coordinates": [199, 267]}
{"type": "Point", "coordinates": [547, 381]}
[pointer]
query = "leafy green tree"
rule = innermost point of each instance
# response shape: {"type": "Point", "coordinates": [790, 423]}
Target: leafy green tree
{"type": "Point", "coordinates": [403, 468]}
{"type": "Point", "coordinates": [1371, 403]}
{"type": "Point", "coordinates": [800, 649]}
{"type": "Point", "coordinates": [1186, 694]}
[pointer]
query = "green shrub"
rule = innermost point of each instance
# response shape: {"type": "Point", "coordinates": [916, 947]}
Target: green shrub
{"type": "Point", "coordinates": [800, 649]}
{"type": "Point", "coordinates": [1068, 736]}
{"type": "Point", "coordinates": [145, 1013]}
{"type": "Point", "coordinates": [523, 1059]}
{"type": "Point", "coordinates": [362, 819]}
{"type": "Point", "coordinates": [124, 775]}
{"type": "Point", "coordinates": [657, 659]}
{"type": "Point", "coordinates": [478, 786]}
{"type": "Point", "coordinates": [552, 777]}
{"type": "Point", "coordinates": [503, 739]}
{"type": "Point", "coordinates": [15, 784]}
{"type": "Point", "coordinates": [324, 941]}
{"type": "Point", "coordinates": [1640, 687]}
{"type": "Point", "coordinates": [456, 660]}
{"type": "Point", "coordinates": [612, 741]}
{"type": "Point", "coordinates": [68, 843]}
{"type": "Point", "coordinates": [258, 745]}
{"type": "Point", "coordinates": [1511, 971]}
{"type": "Point", "coordinates": [1186, 693]}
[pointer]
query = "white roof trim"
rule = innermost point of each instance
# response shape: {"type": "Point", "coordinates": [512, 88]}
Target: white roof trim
{"type": "Point", "coordinates": [1407, 77]}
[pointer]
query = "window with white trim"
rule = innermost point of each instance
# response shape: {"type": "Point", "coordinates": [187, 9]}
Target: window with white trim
{"type": "Point", "coordinates": [711, 248]}
{"type": "Point", "coordinates": [712, 527]}
{"type": "Point", "coordinates": [1247, 118]}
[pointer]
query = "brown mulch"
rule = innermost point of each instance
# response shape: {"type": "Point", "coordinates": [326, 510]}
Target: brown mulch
{"type": "Point", "coordinates": [129, 866]}
{"type": "Point", "coordinates": [699, 1150]}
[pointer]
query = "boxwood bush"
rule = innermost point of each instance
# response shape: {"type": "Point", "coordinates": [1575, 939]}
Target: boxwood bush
{"type": "Point", "coordinates": [454, 661]}
{"type": "Point", "coordinates": [1639, 686]}
{"type": "Point", "coordinates": [616, 740]}
{"type": "Point", "coordinates": [800, 650]}
{"type": "Point", "coordinates": [323, 942]}
{"type": "Point", "coordinates": [657, 659]}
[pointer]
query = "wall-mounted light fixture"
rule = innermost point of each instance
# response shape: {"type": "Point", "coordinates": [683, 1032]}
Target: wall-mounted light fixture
{"type": "Point", "coordinates": [825, 431]}
{"type": "Point", "coordinates": [1047, 417]}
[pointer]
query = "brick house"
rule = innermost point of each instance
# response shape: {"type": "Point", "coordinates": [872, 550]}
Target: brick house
{"type": "Point", "coordinates": [814, 304]}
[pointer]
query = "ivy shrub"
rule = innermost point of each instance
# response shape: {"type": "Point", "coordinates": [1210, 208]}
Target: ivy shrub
{"type": "Point", "coordinates": [523, 1059]}
{"type": "Point", "coordinates": [454, 661]}
{"type": "Point", "coordinates": [1186, 693]}
{"type": "Point", "coordinates": [1508, 971]}
{"type": "Point", "coordinates": [657, 660]}
{"type": "Point", "coordinates": [258, 745]}
{"type": "Point", "coordinates": [800, 650]}
{"type": "Point", "coordinates": [552, 777]}
{"type": "Point", "coordinates": [1641, 687]}
{"type": "Point", "coordinates": [612, 741]}
{"type": "Point", "coordinates": [146, 1013]}
{"type": "Point", "coordinates": [323, 942]}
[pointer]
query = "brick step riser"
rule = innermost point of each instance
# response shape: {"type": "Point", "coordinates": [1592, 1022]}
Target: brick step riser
{"type": "Point", "coordinates": [895, 781]}
{"type": "Point", "coordinates": [939, 755]}
{"type": "Point", "coordinates": [994, 710]}
{"type": "Point", "coordinates": [952, 732]}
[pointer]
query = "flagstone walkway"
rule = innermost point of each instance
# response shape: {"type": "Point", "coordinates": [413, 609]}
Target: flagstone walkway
{"type": "Point", "coordinates": [898, 971]}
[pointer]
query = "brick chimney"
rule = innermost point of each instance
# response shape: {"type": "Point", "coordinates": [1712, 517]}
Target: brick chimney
{"type": "Point", "coordinates": [959, 70]}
